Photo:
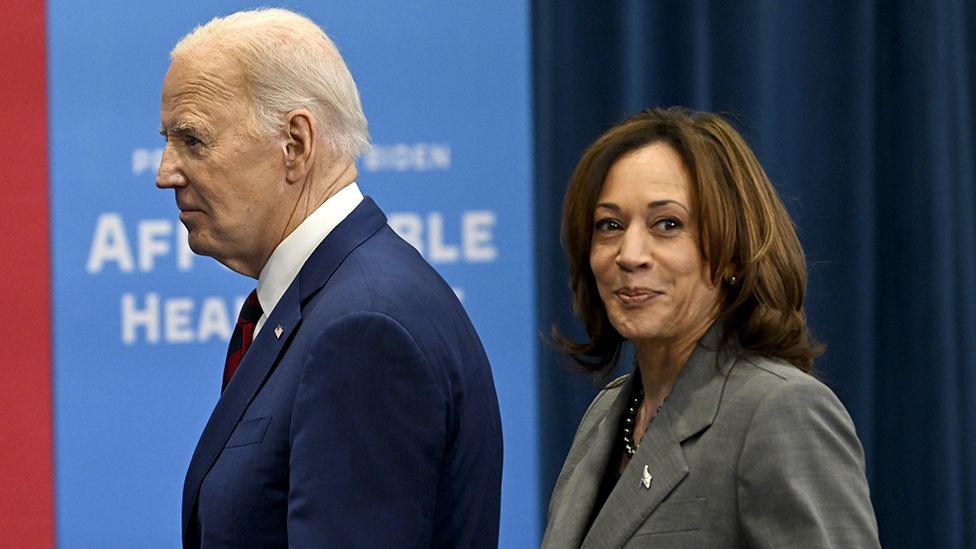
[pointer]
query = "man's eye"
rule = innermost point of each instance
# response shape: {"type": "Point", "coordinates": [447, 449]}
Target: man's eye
{"type": "Point", "coordinates": [607, 225]}
{"type": "Point", "coordinates": [191, 141]}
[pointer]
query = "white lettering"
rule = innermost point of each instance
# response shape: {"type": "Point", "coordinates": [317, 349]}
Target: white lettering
{"type": "Point", "coordinates": [150, 243]}
{"type": "Point", "coordinates": [410, 227]}
{"type": "Point", "coordinates": [133, 318]}
{"type": "Point", "coordinates": [438, 250]}
{"type": "Point", "coordinates": [109, 244]}
{"type": "Point", "coordinates": [402, 157]}
{"type": "Point", "coordinates": [214, 320]}
{"type": "Point", "coordinates": [140, 160]}
{"type": "Point", "coordinates": [146, 160]}
{"type": "Point", "coordinates": [176, 320]}
{"type": "Point", "coordinates": [477, 235]}
{"type": "Point", "coordinates": [429, 236]}
{"type": "Point", "coordinates": [440, 156]}
{"type": "Point", "coordinates": [184, 255]}
{"type": "Point", "coordinates": [155, 237]}
{"type": "Point", "coordinates": [178, 311]}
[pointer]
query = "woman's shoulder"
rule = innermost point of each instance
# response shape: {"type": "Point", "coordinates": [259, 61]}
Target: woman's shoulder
{"type": "Point", "coordinates": [774, 385]}
{"type": "Point", "coordinates": [769, 373]}
{"type": "Point", "coordinates": [798, 457]}
{"type": "Point", "coordinates": [600, 406]}
{"type": "Point", "coordinates": [604, 399]}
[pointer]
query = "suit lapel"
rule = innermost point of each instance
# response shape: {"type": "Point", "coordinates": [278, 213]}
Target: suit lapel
{"type": "Point", "coordinates": [251, 373]}
{"type": "Point", "coordinates": [266, 349]}
{"type": "Point", "coordinates": [691, 408]}
{"type": "Point", "coordinates": [569, 524]}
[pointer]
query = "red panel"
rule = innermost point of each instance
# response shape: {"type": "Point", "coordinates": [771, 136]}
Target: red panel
{"type": "Point", "coordinates": [26, 464]}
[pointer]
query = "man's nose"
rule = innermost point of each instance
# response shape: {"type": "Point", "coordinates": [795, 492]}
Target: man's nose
{"type": "Point", "coordinates": [169, 175]}
{"type": "Point", "coordinates": [634, 252]}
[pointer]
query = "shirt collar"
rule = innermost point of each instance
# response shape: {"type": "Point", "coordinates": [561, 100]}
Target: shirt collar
{"type": "Point", "coordinates": [287, 259]}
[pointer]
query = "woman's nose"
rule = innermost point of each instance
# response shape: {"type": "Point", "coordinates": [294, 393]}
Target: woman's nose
{"type": "Point", "coordinates": [634, 252]}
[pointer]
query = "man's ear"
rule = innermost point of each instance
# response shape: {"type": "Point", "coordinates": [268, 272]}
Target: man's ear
{"type": "Point", "coordinates": [299, 145]}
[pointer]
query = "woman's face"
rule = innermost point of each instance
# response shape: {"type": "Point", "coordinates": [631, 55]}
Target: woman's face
{"type": "Point", "coordinates": [649, 270]}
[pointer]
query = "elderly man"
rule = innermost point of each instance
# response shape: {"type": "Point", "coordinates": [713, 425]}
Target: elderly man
{"type": "Point", "coordinates": [358, 408]}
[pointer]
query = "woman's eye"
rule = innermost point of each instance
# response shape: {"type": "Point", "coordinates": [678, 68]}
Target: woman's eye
{"type": "Point", "coordinates": [668, 225]}
{"type": "Point", "coordinates": [607, 225]}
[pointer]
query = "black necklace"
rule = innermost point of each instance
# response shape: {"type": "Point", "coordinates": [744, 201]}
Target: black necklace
{"type": "Point", "coordinates": [630, 418]}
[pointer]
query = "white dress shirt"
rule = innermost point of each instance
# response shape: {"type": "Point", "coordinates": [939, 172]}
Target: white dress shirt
{"type": "Point", "coordinates": [289, 257]}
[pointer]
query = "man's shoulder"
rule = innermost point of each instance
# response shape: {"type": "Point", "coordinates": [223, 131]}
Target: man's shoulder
{"type": "Point", "coordinates": [385, 251]}
{"type": "Point", "coordinates": [386, 275]}
{"type": "Point", "coordinates": [385, 286]}
{"type": "Point", "coordinates": [397, 278]}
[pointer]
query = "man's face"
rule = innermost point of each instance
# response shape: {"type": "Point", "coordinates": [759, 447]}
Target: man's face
{"type": "Point", "coordinates": [229, 184]}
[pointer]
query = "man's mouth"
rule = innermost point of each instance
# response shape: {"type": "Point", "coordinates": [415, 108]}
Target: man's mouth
{"type": "Point", "coordinates": [186, 208]}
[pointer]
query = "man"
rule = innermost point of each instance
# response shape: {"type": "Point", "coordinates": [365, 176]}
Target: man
{"type": "Point", "coordinates": [358, 407]}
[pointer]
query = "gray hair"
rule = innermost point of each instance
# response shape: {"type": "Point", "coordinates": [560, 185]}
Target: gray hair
{"type": "Point", "coordinates": [289, 63]}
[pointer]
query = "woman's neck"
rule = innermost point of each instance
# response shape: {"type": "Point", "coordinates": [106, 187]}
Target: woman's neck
{"type": "Point", "coordinates": [661, 361]}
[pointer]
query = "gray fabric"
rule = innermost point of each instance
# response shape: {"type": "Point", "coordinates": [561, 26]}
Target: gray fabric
{"type": "Point", "coordinates": [747, 452]}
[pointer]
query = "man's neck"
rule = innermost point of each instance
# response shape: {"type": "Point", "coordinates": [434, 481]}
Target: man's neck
{"type": "Point", "coordinates": [315, 190]}
{"type": "Point", "coordinates": [288, 258]}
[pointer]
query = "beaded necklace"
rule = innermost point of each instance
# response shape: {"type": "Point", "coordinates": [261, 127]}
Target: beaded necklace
{"type": "Point", "coordinates": [630, 418]}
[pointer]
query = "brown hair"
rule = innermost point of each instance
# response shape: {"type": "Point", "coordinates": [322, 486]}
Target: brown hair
{"type": "Point", "coordinates": [744, 231]}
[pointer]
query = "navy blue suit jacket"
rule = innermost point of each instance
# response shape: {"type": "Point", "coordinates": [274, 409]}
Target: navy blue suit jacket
{"type": "Point", "coordinates": [371, 421]}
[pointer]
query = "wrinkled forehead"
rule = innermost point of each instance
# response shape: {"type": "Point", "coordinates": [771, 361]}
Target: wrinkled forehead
{"type": "Point", "coordinates": [201, 83]}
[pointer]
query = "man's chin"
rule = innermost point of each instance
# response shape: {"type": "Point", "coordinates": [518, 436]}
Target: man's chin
{"type": "Point", "coordinates": [201, 246]}
{"type": "Point", "coordinates": [205, 247]}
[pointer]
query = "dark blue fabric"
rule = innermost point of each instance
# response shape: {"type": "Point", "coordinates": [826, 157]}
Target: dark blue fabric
{"type": "Point", "coordinates": [371, 421]}
{"type": "Point", "coordinates": [863, 115]}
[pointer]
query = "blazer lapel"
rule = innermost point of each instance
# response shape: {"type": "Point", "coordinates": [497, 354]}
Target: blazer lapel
{"type": "Point", "coordinates": [691, 408]}
{"type": "Point", "coordinates": [631, 502]}
{"type": "Point", "coordinates": [696, 395]}
{"type": "Point", "coordinates": [266, 349]}
{"type": "Point", "coordinates": [250, 375]}
{"type": "Point", "coordinates": [569, 524]}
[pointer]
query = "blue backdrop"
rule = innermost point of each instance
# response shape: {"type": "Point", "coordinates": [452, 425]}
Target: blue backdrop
{"type": "Point", "coordinates": [140, 324]}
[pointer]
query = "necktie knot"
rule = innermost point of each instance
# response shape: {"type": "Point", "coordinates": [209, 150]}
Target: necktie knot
{"type": "Point", "coordinates": [243, 334]}
{"type": "Point", "coordinates": [251, 310]}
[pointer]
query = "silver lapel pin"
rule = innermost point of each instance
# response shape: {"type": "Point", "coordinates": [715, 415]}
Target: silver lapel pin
{"type": "Point", "coordinates": [646, 478]}
{"type": "Point", "coordinates": [278, 331]}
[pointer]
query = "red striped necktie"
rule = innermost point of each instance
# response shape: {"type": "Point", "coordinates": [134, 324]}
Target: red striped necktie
{"type": "Point", "coordinates": [243, 334]}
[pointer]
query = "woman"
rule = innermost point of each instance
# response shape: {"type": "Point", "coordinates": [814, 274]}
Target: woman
{"type": "Point", "coordinates": [679, 245]}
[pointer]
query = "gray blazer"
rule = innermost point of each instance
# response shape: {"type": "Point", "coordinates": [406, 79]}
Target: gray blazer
{"type": "Point", "coordinates": [746, 452]}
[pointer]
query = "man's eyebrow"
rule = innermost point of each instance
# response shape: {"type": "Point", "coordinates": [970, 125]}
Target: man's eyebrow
{"type": "Point", "coordinates": [179, 128]}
